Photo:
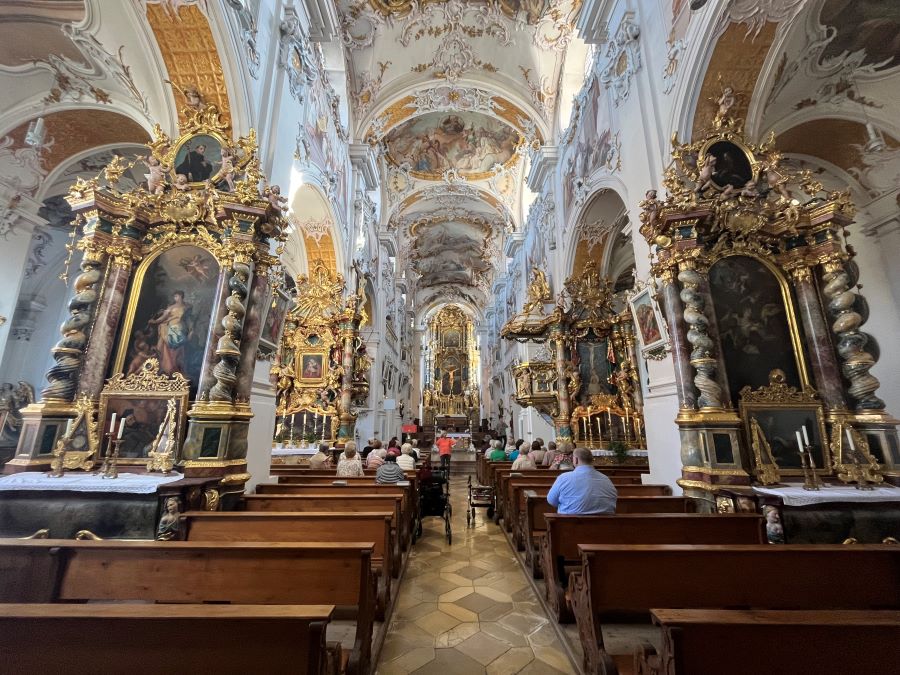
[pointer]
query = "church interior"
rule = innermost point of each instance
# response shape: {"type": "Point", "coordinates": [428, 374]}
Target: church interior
{"type": "Point", "coordinates": [317, 307]}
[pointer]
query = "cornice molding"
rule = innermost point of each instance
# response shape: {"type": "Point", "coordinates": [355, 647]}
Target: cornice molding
{"type": "Point", "coordinates": [543, 165]}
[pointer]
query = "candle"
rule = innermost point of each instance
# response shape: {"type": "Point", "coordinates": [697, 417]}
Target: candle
{"type": "Point", "coordinates": [799, 441]}
{"type": "Point", "coordinates": [850, 439]}
{"type": "Point", "coordinates": [121, 428]}
{"type": "Point", "coordinates": [805, 435]}
{"type": "Point", "coordinates": [584, 424]}
{"type": "Point", "coordinates": [304, 422]}
{"type": "Point", "coordinates": [624, 429]}
{"type": "Point", "coordinates": [68, 428]}
{"type": "Point", "coordinates": [112, 424]}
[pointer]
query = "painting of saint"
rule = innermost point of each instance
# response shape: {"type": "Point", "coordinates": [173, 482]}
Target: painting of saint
{"type": "Point", "coordinates": [311, 367]}
{"type": "Point", "coordinates": [471, 143]}
{"type": "Point", "coordinates": [173, 313]}
{"type": "Point", "coordinates": [142, 417]}
{"type": "Point", "coordinates": [752, 322]}
{"type": "Point", "coordinates": [271, 333]}
{"type": "Point", "coordinates": [199, 158]}
{"type": "Point", "coordinates": [594, 370]}
{"type": "Point", "coordinates": [648, 320]}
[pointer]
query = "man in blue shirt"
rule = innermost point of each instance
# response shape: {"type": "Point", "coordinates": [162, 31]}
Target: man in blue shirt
{"type": "Point", "coordinates": [583, 491]}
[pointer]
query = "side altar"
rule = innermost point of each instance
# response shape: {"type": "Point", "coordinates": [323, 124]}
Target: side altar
{"type": "Point", "coordinates": [760, 294]}
{"type": "Point", "coordinates": [175, 278]}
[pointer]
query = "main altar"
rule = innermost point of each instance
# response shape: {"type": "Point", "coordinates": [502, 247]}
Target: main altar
{"type": "Point", "coordinates": [450, 397]}
{"type": "Point", "coordinates": [760, 295]}
{"type": "Point", "coordinates": [153, 368]}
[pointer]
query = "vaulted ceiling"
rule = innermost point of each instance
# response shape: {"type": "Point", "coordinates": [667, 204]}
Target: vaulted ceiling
{"type": "Point", "coordinates": [454, 95]}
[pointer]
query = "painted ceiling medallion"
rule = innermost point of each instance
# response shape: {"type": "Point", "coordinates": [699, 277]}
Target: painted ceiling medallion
{"type": "Point", "coordinates": [471, 144]}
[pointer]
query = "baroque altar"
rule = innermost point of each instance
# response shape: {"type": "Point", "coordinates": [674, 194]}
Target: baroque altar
{"type": "Point", "coordinates": [758, 286]}
{"type": "Point", "coordinates": [588, 383]}
{"type": "Point", "coordinates": [450, 396]}
{"type": "Point", "coordinates": [321, 368]}
{"type": "Point", "coordinates": [177, 272]}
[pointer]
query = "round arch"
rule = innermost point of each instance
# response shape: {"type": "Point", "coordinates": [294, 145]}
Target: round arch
{"type": "Point", "coordinates": [314, 231]}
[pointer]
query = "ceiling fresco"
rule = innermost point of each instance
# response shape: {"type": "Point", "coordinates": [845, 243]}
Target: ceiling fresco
{"type": "Point", "coordinates": [868, 26]}
{"type": "Point", "coordinates": [471, 143]}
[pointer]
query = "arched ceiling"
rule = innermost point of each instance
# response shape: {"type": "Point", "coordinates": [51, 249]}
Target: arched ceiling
{"type": "Point", "coordinates": [454, 95]}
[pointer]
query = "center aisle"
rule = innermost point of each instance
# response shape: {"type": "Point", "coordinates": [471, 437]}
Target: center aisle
{"type": "Point", "coordinates": [468, 608]}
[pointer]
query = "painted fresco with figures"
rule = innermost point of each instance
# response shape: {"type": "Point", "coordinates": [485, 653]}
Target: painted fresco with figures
{"type": "Point", "coordinates": [465, 330]}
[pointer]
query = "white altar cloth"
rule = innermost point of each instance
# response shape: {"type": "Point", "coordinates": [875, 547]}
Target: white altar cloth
{"type": "Point", "coordinates": [127, 483]}
{"type": "Point", "coordinates": [288, 452]}
{"type": "Point", "coordinates": [797, 496]}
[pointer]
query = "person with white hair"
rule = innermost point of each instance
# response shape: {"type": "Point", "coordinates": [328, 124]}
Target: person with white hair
{"type": "Point", "coordinates": [497, 454]}
{"type": "Point", "coordinates": [376, 457]}
{"type": "Point", "coordinates": [349, 464]}
{"type": "Point", "coordinates": [405, 461]}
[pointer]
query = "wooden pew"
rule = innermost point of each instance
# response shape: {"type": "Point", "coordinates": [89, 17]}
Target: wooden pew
{"type": "Point", "coordinates": [513, 503]}
{"type": "Point", "coordinates": [205, 572]}
{"type": "Point", "coordinates": [85, 639]}
{"type": "Point", "coordinates": [408, 510]}
{"type": "Point", "coordinates": [323, 502]}
{"type": "Point", "coordinates": [627, 581]}
{"type": "Point", "coordinates": [559, 553]}
{"type": "Point", "coordinates": [331, 526]}
{"type": "Point", "coordinates": [835, 642]}
{"type": "Point", "coordinates": [536, 507]}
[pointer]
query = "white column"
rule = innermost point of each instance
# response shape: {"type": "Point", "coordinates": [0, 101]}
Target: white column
{"type": "Point", "coordinates": [262, 426]}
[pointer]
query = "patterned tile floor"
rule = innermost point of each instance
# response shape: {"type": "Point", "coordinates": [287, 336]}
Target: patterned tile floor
{"type": "Point", "coordinates": [467, 608]}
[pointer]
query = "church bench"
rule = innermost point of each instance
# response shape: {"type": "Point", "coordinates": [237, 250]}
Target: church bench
{"type": "Point", "coordinates": [559, 553]}
{"type": "Point", "coordinates": [83, 639]}
{"type": "Point", "coordinates": [825, 642]}
{"type": "Point", "coordinates": [186, 572]}
{"type": "Point", "coordinates": [318, 526]}
{"type": "Point", "coordinates": [618, 581]}
{"type": "Point", "coordinates": [514, 502]}
{"type": "Point", "coordinates": [536, 507]}
{"type": "Point", "coordinates": [324, 502]}
{"type": "Point", "coordinates": [408, 510]}
{"type": "Point", "coordinates": [330, 478]}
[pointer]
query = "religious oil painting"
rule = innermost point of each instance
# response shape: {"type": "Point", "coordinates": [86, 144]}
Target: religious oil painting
{"type": "Point", "coordinates": [274, 323]}
{"type": "Point", "coordinates": [731, 165]}
{"type": "Point", "coordinates": [648, 319]}
{"type": "Point", "coordinates": [780, 425]}
{"type": "Point", "coordinates": [141, 416]}
{"type": "Point", "coordinates": [170, 313]}
{"type": "Point", "coordinates": [199, 158]}
{"type": "Point", "coordinates": [471, 143]}
{"type": "Point", "coordinates": [866, 29]}
{"type": "Point", "coordinates": [592, 144]}
{"type": "Point", "coordinates": [312, 367]}
{"type": "Point", "coordinates": [594, 368]}
{"type": "Point", "coordinates": [754, 328]}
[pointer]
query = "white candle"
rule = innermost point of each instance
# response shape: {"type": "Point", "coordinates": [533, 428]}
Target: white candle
{"type": "Point", "coordinates": [112, 424]}
{"type": "Point", "coordinates": [69, 428]}
{"type": "Point", "coordinates": [121, 428]}
{"type": "Point", "coordinates": [805, 435]}
{"type": "Point", "coordinates": [799, 442]}
{"type": "Point", "coordinates": [850, 439]}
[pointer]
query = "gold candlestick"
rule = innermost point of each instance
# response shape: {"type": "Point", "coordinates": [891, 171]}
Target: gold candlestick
{"type": "Point", "coordinates": [112, 469]}
{"type": "Point", "coordinates": [816, 483]}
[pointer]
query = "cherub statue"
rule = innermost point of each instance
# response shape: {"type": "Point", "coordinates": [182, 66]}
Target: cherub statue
{"type": "Point", "coordinates": [776, 180]}
{"type": "Point", "coordinates": [726, 102]}
{"type": "Point", "coordinates": [538, 291]}
{"type": "Point", "coordinates": [705, 179]}
{"type": "Point", "coordinates": [192, 97]}
{"type": "Point", "coordinates": [650, 209]}
{"type": "Point", "coordinates": [181, 183]}
{"type": "Point", "coordinates": [156, 179]}
{"type": "Point", "coordinates": [227, 171]}
{"type": "Point", "coordinates": [276, 201]}
{"type": "Point", "coordinates": [750, 189]}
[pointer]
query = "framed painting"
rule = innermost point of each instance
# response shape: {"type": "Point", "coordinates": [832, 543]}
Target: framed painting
{"type": "Point", "coordinates": [312, 368]}
{"type": "Point", "coordinates": [648, 320]}
{"type": "Point", "coordinates": [169, 313]}
{"type": "Point", "coordinates": [199, 158]}
{"type": "Point", "coordinates": [273, 326]}
{"type": "Point", "coordinates": [140, 404]}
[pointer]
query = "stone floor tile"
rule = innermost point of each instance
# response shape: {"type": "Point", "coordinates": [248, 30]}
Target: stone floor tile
{"type": "Point", "coordinates": [511, 662]}
{"type": "Point", "coordinates": [456, 594]}
{"type": "Point", "coordinates": [501, 632]}
{"type": "Point", "coordinates": [523, 623]}
{"type": "Point", "coordinates": [457, 634]}
{"type": "Point", "coordinates": [450, 662]}
{"type": "Point", "coordinates": [416, 611]}
{"type": "Point", "coordinates": [476, 602]}
{"type": "Point", "coordinates": [495, 611]}
{"type": "Point", "coordinates": [483, 648]}
{"type": "Point", "coordinates": [458, 612]}
{"type": "Point", "coordinates": [437, 622]}
{"type": "Point", "coordinates": [456, 579]}
{"type": "Point", "coordinates": [471, 572]}
{"type": "Point", "coordinates": [415, 658]}
{"type": "Point", "coordinates": [552, 657]}
{"type": "Point", "coordinates": [538, 667]}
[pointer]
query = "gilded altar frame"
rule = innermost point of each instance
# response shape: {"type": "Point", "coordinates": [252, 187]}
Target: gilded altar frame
{"type": "Point", "coordinates": [147, 385]}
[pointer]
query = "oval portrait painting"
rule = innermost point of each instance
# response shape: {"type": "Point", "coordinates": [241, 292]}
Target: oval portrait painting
{"type": "Point", "coordinates": [471, 143]}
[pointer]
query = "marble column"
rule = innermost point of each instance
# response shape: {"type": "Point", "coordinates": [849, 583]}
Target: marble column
{"type": "Point", "coordinates": [346, 430]}
{"type": "Point", "coordinates": [681, 353]}
{"type": "Point", "coordinates": [712, 330]}
{"type": "Point", "coordinates": [826, 372]}
{"type": "Point", "coordinates": [703, 357]}
{"type": "Point", "coordinates": [219, 311]}
{"type": "Point", "coordinates": [564, 414]}
{"type": "Point", "coordinates": [106, 325]}
{"type": "Point", "coordinates": [257, 304]}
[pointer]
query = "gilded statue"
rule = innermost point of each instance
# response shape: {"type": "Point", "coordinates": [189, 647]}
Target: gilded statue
{"type": "Point", "coordinates": [574, 384]}
{"type": "Point", "coordinates": [524, 384]}
{"type": "Point", "coordinates": [539, 293]}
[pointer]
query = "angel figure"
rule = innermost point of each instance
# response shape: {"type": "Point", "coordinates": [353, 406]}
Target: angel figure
{"type": "Point", "coordinates": [750, 189]}
{"type": "Point", "coordinates": [776, 180]}
{"type": "Point", "coordinates": [705, 179]}
{"type": "Point", "coordinates": [538, 291]}
{"type": "Point", "coordinates": [227, 170]}
{"type": "Point", "coordinates": [650, 209]}
{"type": "Point", "coordinates": [276, 201]}
{"type": "Point", "coordinates": [156, 179]}
{"type": "Point", "coordinates": [725, 102]}
{"type": "Point", "coordinates": [197, 267]}
{"type": "Point", "coordinates": [181, 183]}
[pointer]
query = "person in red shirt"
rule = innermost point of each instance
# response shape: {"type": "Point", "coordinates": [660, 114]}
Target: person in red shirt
{"type": "Point", "coordinates": [445, 449]}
